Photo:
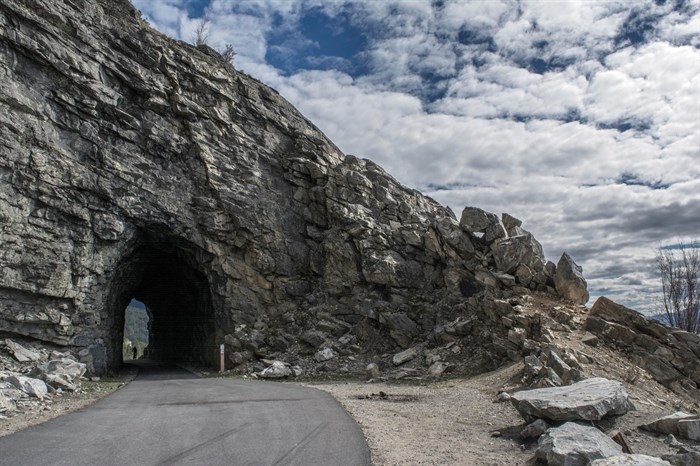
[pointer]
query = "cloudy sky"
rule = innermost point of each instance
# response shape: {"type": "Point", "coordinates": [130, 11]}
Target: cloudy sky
{"type": "Point", "coordinates": [580, 118]}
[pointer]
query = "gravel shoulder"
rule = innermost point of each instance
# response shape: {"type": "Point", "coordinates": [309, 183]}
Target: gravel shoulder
{"type": "Point", "coordinates": [32, 412]}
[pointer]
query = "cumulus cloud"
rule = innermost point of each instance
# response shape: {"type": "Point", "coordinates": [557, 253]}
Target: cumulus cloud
{"type": "Point", "coordinates": [583, 121]}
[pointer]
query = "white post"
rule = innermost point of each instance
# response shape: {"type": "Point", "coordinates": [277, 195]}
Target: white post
{"type": "Point", "coordinates": [221, 351]}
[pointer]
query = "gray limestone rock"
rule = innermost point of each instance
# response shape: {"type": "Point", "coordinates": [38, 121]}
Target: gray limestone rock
{"type": "Point", "coordinates": [631, 460]}
{"type": "Point", "coordinates": [572, 444]}
{"type": "Point", "coordinates": [325, 354]}
{"type": "Point", "coordinates": [511, 252]}
{"type": "Point", "coordinates": [404, 356]}
{"type": "Point", "coordinates": [6, 404]}
{"type": "Point", "coordinates": [64, 373]}
{"type": "Point", "coordinates": [33, 387]}
{"type": "Point", "coordinates": [534, 429]}
{"type": "Point", "coordinates": [372, 371]}
{"type": "Point", "coordinates": [569, 281]}
{"type": "Point", "coordinates": [276, 370]}
{"type": "Point", "coordinates": [679, 424]}
{"type": "Point", "coordinates": [21, 353]}
{"type": "Point", "coordinates": [590, 399]}
{"type": "Point", "coordinates": [475, 220]}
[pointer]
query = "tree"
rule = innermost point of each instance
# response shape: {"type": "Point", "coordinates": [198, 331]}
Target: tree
{"type": "Point", "coordinates": [679, 267]}
{"type": "Point", "coordinates": [201, 34]}
{"type": "Point", "coordinates": [201, 37]}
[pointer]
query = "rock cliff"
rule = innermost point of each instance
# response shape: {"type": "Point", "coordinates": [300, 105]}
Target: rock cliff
{"type": "Point", "coordinates": [136, 166]}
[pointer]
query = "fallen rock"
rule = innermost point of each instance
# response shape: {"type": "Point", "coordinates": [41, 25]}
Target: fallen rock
{"type": "Point", "coordinates": [61, 373]}
{"type": "Point", "coordinates": [534, 429]}
{"type": "Point", "coordinates": [325, 354]}
{"type": "Point", "coordinates": [575, 445]}
{"type": "Point", "coordinates": [569, 281]}
{"type": "Point", "coordinates": [6, 404]}
{"type": "Point", "coordinates": [590, 399]}
{"type": "Point", "coordinates": [276, 370]}
{"type": "Point", "coordinates": [30, 386]}
{"type": "Point", "coordinates": [684, 459]}
{"type": "Point", "coordinates": [372, 371]}
{"type": "Point", "coordinates": [475, 220]}
{"type": "Point", "coordinates": [589, 339]}
{"type": "Point", "coordinates": [689, 428]}
{"type": "Point", "coordinates": [404, 356]}
{"type": "Point", "coordinates": [437, 368]}
{"type": "Point", "coordinates": [679, 423]}
{"type": "Point", "coordinates": [630, 460]}
{"type": "Point", "coordinates": [21, 353]}
{"type": "Point", "coordinates": [509, 253]}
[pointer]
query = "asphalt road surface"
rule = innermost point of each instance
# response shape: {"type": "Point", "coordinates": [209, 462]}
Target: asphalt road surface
{"type": "Point", "coordinates": [168, 416]}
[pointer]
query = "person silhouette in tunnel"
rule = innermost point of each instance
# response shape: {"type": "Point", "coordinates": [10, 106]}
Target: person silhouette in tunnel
{"type": "Point", "coordinates": [135, 352]}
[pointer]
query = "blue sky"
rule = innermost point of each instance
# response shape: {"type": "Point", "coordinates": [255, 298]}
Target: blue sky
{"type": "Point", "coordinates": [580, 118]}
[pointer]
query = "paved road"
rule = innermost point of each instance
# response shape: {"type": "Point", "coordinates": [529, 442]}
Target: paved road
{"type": "Point", "coordinates": [168, 416]}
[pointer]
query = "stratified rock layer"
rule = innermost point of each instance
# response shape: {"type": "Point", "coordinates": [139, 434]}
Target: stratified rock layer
{"type": "Point", "coordinates": [135, 166]}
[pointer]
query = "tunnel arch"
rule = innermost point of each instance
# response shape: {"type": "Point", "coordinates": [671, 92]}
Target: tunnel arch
{"type": "Point", "coordinates": [167, 275]}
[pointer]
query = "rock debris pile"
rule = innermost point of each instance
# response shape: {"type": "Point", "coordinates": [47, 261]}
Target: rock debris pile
{"type": "Point", "coordinates": [31, 375]}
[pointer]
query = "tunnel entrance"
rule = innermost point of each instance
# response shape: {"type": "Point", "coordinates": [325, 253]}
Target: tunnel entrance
{"type": "Point", "coordinates": [177, 300]}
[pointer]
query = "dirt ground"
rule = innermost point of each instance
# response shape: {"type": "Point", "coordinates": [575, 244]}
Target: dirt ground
{"type": "Point", "coordinates": [458, 422]}
{"type": "Point", "coordinates": [32, 412]}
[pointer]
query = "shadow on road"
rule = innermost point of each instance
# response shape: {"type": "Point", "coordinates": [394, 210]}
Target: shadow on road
{"type": "Point", "coordinates": [149, 370]}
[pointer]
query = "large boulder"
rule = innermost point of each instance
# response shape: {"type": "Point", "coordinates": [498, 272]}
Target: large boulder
{"type": "Point", "coordinates": [64, 373]}
{"type": "Point", "coordinates": [21, 353]}
{"type": "Point", "coordinates": [511, 252]}
{"type": "Point", "coordinates": [32, 387]}
{"type": "Point", "coordinates": [572, 444]}
{"type": "Point", "coordinates": [589, 400]}
{"type": "Point", "coordinates": [569, 281]}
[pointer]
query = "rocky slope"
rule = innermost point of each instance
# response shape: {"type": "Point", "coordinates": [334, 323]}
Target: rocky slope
{"type": "Point", "coordinates": [136, 166]}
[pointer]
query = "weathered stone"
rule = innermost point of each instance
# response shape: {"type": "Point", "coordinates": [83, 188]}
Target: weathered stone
{"type": "Point", "coordinates": [589, 339]}
{"type": "Point", "coordinates": [569, 281]}
{"type": "Point", "coordinates": [684, 459]}
{"type": "Point", "coordinates": [33, 387]}
{"type": "Point", "coordinates": [372, 371]}
{"type": "Point", "coordinates": [678, 424]}
{"type": "Point", "coordinates": [21, 353]}
{"type": "Point", "coordinates": [511, 224]}
{"type": "Point", "coordinates": [405, 356]}
{"type": "Point", "coordinates": [6, 404]}
{"type": "Point", "coordinates": [534, 429]}
{"type": "Point", "coordinates": [572, 444]}
{"type": "Point", "coordinates": [630, 460]}
{"type": "Point", "coordinates": [590, 399]}
{"type": "Point", "coordinates": [511, 252]}
{"type": "Point", "coordinates": [437, 368]}
{"type": "Point", "coordinates": [62, 373]}
{"type": "Point", "coordinates": [689, 428]}
{"type": "Point", "coordinates": [325, 354]}
{"type": "Point", "coordinates": [276, 370]}
{"type": "Point", "coordinates": [475, 220]}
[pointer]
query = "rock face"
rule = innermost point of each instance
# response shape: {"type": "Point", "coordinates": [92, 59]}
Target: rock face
{"type": "Point", "coordinates": [680, 424]}
{"type": "Point", "coordinates": [572, 444]}
{"type": "Point", "coordinates": [670, 356]}
{"type": "Point", "coordinates": [589, 400]}
{"type": "Point", "coordinates": [135, 166]}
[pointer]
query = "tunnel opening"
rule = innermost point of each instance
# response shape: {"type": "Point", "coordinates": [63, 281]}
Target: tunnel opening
{"type": "Point", "coordinates": [176, 297]}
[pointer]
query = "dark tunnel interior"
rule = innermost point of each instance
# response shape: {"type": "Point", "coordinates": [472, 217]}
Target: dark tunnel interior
{"type": "Point", "coordinates": [178, 300]}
